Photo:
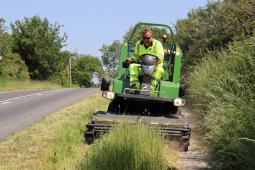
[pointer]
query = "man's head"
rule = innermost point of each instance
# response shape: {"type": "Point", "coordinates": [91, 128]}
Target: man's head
{"type": "Point", "coordinates": [147, 37]}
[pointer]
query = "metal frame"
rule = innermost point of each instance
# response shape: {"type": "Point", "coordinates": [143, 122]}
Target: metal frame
{"type": "Point", "coordinates": [96, 129]}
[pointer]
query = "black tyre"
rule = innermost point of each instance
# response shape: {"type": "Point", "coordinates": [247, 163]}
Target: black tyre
{"type": "Point", "coordinates": [89, 140]}
{"type": "Point", "coordinates": [182, 90]}
{"type": "Point", "coordinates": [112, 107]}
{"type": "Point", "coordinates": [105, 83]}
{"type": "Point", "coordinates": [185, 146]}
{"type": "Point", "coordinates": [169, 108]}
{"type": "Point", "coordinates": [89, 137]}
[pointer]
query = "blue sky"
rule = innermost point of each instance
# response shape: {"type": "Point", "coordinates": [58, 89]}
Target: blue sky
{"type": "Point", "coordinates": [90, 24]}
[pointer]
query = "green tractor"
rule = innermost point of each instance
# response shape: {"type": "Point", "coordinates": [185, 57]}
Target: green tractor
{"type": "Point", "coordinates": [160, 109]}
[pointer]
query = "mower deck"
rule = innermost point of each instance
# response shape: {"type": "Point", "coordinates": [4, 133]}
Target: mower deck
{"type": "Point", "coordinates": [169, 127]}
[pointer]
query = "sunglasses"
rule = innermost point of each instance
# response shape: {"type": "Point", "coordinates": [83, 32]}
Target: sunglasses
{"type": "Point", "coordinates": [146, 38]}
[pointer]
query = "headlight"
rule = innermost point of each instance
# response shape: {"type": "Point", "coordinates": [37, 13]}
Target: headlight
{"type": "Point", "coordinates": [108, 94]}
{"type": "Point", "coordinates": [179, 102]}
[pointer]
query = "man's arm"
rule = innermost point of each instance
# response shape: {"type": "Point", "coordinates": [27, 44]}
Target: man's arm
{"type": "Point", "coordinates": [132, 59]}
{"type": "Point", "coordinates": [159, 51]}
{"type": "Point", "coordinates": [136, 52]}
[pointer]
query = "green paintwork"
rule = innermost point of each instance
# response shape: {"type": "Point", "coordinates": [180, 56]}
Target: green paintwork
{"type": "Point", "coordinates": [123, 56]}
{"type": "Point", "coordinates": [119, 85]}
{"type": "Point", "coordinates": [169, 87]}
{"type": "Point", "coordinates": [177, 64]}
{"type": "Point", "coordinates": [165, 76]}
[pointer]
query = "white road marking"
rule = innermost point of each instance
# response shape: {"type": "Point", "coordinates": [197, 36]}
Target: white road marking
{"type": "Point", "coordinates": [20, 97]}
{"type": "Point", "coordinates": [5, 102]}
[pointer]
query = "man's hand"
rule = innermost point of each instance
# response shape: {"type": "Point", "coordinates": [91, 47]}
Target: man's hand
{"type": "Point", "coordinates": [158, 61]}
{"type": "Point", "coordinates": [127, 62]}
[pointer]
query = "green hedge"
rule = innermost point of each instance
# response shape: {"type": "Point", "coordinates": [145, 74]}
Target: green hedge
{"type": "Point", "coordinates": [13, 67]}
{"type": "Point", "coordinates": [214, 26]}
{"type": "Point", "coordinates": [11, 64]}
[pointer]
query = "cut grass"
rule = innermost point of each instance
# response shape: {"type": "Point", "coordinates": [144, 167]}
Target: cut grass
{"type": "Point", "coordinates": [54, 143]}
{"type": "Point", "coordinates": [7, 84]}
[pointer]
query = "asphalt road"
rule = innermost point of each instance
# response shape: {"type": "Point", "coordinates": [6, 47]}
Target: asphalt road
{"type": "Point", "coordinates": [19, 109]}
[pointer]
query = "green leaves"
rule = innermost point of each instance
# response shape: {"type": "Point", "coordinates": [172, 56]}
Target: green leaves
{"type": "Point", "coordinates": [85, 70]}
{"type": "Point", "coordinates": [39, 44]}
{"type": "Point", "coordinates": [214, 27]}
{"type": "Point", "coordinates": [110, 56]}
{"type": "Point", "coordinates": [11, 64]}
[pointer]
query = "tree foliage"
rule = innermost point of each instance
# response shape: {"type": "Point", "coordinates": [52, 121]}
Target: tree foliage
{"type": "Point", "coordinates": [110, 56]}
{"type": "Point", "coordinates": [13, 67]}
{"type": "Point", "coordinates": [85, 69]}
{"type": "Point", "coordinates": [214, 27]}
{"type": "Point", "coordinates": [39, 43]}
{"type": "Point", "coordinates": [11, 64]}
{"type": "Point", "coordinates": [1, 25]}
{"type": "Point", "coordinates": [62, 75]}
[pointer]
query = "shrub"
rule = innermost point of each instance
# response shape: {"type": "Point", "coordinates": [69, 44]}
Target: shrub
{"type": "Point", "coordinates": [13, 67]}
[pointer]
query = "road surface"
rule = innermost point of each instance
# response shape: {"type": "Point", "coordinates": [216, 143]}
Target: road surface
{"type": "Point", "coordinates": [19, 109]}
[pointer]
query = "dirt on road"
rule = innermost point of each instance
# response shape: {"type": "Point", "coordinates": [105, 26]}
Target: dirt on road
{"type": "Point", "coordinates": [195, 158]}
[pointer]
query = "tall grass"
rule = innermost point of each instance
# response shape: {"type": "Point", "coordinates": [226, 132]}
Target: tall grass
{"type": "Point", "coordinates": [128, 147]}
{"type": "Point", "coordinates": [222, 89]}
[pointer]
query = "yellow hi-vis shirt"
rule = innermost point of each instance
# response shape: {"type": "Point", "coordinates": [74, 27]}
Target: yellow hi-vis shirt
{"type": "Point", "coordinates": [156, 49]}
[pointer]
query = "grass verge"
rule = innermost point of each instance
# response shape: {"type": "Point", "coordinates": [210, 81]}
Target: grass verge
{"type": "Point", "coordinates": [7, 84]}
{"type": "Point", "coordinates": [56, 142]}
{"type": "Point", "coordinates": [128, 147]}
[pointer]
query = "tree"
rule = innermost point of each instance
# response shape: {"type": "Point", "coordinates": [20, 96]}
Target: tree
{"type": "Point", "coordinates": [62, 74]}
{"type": "Point", "coordinates": [39, 44]}
{"type": "Point", "coordinates": [214, 27]}
{"type": "Point", "coordinates": [13, 67]}
{"type": "Point", "coordinates": [11, 64]}
{"type": "Point", "coordinates": [5, 44]}
{"type": "Point", "coordinates": [1, 25]}
{"type": "Point", "coordinates": [85, 69]}
{"type": "Point", "coordinates": [110, 56]}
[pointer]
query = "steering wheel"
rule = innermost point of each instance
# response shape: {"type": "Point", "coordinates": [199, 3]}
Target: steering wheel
{"type": "Point", "coordinates": [155, 57]}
